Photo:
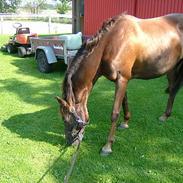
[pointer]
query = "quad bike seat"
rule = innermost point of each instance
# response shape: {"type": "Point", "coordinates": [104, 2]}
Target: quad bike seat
{"type": "Point", "coordinates": [23, 34]}
{"type": "Point", "coordinates": [23, 30]}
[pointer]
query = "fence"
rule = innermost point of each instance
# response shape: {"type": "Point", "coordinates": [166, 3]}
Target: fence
{"type": "Point", "coordinates": [41, 24]}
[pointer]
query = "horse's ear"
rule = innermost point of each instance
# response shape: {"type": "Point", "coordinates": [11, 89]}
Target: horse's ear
{"type": "Point", "coordinates": [62, 102]}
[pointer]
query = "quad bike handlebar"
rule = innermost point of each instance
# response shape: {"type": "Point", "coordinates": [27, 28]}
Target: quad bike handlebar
{"type": "Point", "coordinates": [17, 25]}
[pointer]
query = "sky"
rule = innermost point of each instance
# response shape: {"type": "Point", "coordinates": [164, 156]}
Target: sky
{"type": "Point", "coordinates": [51, 1]}
{"type": "Point", "coordinates": [48, 2]}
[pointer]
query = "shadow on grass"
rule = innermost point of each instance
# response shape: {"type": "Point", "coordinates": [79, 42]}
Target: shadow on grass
{"type": "Point", "coordinates": [139, 155]}
{"type": "Point", "coordinates": [147, 152]}
{"type": "Point", "coordinates": [38, 94]}
{"type": "Point", "coordinates": [35, 89]}
{"type": "Point", "coordinates": [28, 66]}
{"type": "Point", "coordinates": [43, 125]}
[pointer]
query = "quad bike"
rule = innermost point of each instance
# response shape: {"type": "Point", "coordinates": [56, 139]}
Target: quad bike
{"type": "Point", "coordinates": [20, 41]}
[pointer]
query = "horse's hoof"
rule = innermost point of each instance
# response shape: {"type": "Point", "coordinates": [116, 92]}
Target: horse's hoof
{"type": "Point", "coordinates": [105, 151]}
{"type": "Point", "coordinates": [163, 118]}
{"type": "Point", "coordinates": [123, 126]}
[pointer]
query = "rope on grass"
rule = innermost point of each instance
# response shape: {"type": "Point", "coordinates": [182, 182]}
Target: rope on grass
{"type": "Point", "coordinates": [73, 161]}
{"type": "Point", "coordinates": [51, 167]}
{"type": "Point", "coordinates": [70, 170]}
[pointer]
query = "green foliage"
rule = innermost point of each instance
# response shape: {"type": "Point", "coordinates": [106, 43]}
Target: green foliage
{"type": "Point", "coordinates": [32, 142]}
{"type": "Point", "coordinates": [34, 6]}
{"type": "Point", "coordinates": [63, 6]}
{"type": "Point", "coordinates": [9, 6]}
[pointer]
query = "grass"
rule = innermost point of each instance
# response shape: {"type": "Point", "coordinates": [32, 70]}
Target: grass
{"type": "Point", "coordinates": [31, 130]}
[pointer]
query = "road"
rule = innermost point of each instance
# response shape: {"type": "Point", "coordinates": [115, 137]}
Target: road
{"type": "Point", "coordinates": [36, 27]}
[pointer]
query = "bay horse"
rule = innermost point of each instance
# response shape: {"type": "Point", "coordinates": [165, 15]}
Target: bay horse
{"type": "Point", "coordinates": [124, 48]}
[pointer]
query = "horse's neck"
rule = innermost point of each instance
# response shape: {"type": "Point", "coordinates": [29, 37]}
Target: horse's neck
{"type": "Point", "coordinates": [85, 76]}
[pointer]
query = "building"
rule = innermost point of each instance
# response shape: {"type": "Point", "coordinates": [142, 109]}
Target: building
{"type": "Point", "coordinates": [88, 15]}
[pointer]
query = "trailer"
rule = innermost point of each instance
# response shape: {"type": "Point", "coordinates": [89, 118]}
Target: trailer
{"type": "Point", "coordinates": [51, 49]}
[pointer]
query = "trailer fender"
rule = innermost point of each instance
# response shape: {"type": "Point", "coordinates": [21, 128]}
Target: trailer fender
{"type": "Point", "coordinates": [48, 52]}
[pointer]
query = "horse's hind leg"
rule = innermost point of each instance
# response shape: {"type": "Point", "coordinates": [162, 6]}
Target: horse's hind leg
{"type": "Point", "coordinates": [121, 85]}
{"type": "Point", "coordinates": [127, 114]}
{"type": "Point", "coordinates": [175, 82]}
{"type": "Point", "coordinates": [171, 79]}
{"type": "Point", "coordinates": [168, 110]}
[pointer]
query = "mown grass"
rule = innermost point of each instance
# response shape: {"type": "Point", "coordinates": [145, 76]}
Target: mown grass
{"type": "Point", "coordinates": [32, 147]}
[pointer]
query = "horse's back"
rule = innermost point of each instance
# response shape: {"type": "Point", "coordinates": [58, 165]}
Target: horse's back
{"type": "Point", "coordinates": [144, 48]}
{"type": "Point", "coordinates": [160, 46]}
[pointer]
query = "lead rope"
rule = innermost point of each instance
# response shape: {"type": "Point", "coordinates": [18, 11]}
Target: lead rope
{"type": "Point", "coordinates": [74, 156]}
{"type": "Point", "coordinates": [73, 161]}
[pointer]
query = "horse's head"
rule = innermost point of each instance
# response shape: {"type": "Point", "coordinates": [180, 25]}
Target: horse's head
{"type": "Point", "coordinates": [75, 118]}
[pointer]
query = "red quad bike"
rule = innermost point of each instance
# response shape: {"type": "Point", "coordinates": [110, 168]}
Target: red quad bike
{"type": "Point", "coordinates": [20, 42]}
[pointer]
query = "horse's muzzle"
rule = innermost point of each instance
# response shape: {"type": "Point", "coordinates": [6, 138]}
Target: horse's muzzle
{"type": "Point", "coordinates": [74, 133]}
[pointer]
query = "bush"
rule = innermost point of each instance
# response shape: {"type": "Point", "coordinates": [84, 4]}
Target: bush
{"type": "Point", "coordinates": [63, 6]}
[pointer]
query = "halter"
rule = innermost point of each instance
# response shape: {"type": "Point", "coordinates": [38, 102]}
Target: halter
{"type": "Point", "coordinates": [78, 119]}
{"type": "Point", "coordinates": [80, 124]}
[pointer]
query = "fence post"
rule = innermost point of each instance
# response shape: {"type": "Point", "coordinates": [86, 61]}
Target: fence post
{"type": "Point", "coordinates": [49, 24]}
{"type": "Point", "coordinates": [1, 25]}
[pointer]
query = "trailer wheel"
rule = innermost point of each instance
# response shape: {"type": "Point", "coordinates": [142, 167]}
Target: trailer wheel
{"type": "Point", "coordinates": [22, 51]}
{"type": "Point", "coordinates": [42, 62]}
{"type": "Point", "coordinates": [11, 48]}
{"type": "Point", "coordinates": [4, 48]}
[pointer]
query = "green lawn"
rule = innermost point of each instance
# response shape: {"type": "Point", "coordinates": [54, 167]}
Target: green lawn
{"type": "Point", "coordinates": [31, 131]}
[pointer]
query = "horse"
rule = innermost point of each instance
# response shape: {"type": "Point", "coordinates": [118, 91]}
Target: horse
{"type": "Point", "coordinates": [124, 48]}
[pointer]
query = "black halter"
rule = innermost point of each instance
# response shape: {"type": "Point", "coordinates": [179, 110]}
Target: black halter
{"type": "Point", "coordinates": [80, 126]}
{"type": "Point", "coordinates": [78, 119]}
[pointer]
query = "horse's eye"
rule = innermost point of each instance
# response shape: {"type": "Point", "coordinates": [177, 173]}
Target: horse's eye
{"type": "Point", "coordinates": [77, 118]}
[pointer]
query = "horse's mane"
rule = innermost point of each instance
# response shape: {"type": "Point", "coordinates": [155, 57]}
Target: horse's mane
{"type": "Point", "coordinates": [86, 49]}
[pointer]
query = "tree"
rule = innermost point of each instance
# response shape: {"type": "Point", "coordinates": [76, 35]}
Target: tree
{"type": "Point", "coordinates": [35, 5]}
{"type": "Point", "coordinates": [63, 6]}
{"type": "Point", "coordinates": [9, 6]}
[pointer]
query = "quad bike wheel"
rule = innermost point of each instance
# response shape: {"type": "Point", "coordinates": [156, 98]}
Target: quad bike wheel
{"type": "Point", "coordinates": [22, 52]}
{"type": "Point", "coordinates": [3, 48]}
{"type": "Point", "coordinates": [11, 48]}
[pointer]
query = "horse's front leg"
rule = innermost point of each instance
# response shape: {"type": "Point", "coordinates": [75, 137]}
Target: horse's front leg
{"type": "Point", "coordinates": [121, 84]}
